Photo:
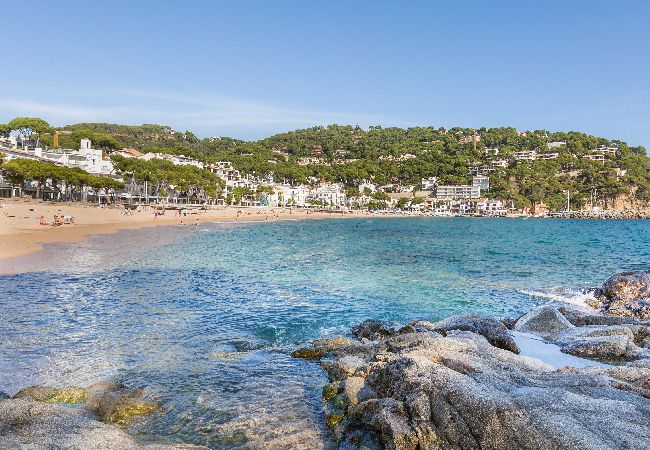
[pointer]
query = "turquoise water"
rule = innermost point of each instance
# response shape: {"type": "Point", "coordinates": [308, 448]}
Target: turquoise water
{"type": "Point", "coordinates": [203, 318]}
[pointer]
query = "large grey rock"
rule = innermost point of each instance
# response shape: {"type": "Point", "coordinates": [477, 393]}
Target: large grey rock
{"type": "Point", "coordinates": [581, 318]}
{"type": "Point", "coordinates": [426, 391]}
{"type": "Point", "coordinates": [492, 329]}
{"type": "Point", "coordinates": [607, 348]}
{"type": "Point", "coordinates": [604, 342]}
{"type": "Point", "coordinates": [29, 424]}
{"type": "Point", "coordinates": [625, 294]}
{"type": "Point", "coordinates": [544, 321]}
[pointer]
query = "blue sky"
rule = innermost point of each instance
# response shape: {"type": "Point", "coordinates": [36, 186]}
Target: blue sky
{"type": "Point", "coordinates": [251, 68]}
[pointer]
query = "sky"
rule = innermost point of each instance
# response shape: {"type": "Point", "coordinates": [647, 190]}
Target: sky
{"type": "Point", "coordinates": [249, 69]}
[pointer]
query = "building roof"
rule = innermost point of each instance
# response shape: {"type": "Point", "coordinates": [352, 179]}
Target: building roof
{"type": "Point", "coordinates": [131, 151]}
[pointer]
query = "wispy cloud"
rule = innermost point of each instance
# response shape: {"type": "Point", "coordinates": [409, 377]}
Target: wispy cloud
{"type": "Point", "coordinates": [210, 114]}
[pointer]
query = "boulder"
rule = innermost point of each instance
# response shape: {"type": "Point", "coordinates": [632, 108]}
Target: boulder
{"type": "Point", "coordinates": [492, 329]}
{"type": "Point", "coordinates": [118, 404]}
{"type": "Point", "coordinates": [545, 321]}
{"type": "Point", "coordinates": [374, 330]}
{"type": "Point", "coordinates": [26, 423]}
{"type": "Point", "coordinates": [604, 342]}
{"type": "Point", "coordinates": [625, 294]}
{"type": "Point", "coordinates": [608, 348]}
{"type": "Point", "coordinates": [424, 390]}
{"type": "Point", "coordinates": [581, 318]}
{"type": "Point", "coordinates": [322, 347]}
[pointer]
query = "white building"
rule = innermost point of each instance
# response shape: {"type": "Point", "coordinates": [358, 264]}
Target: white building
{"type": "Point", "coordinates": [604, 149]}
{"type": "Point", "coordinates": [532, 155]}
{"type": "Point", "coordinates": [457, 192]}
{"type": "Point", "coordinates": [491, 207]}
{"type": "Point", "coordinates": [483, 182]}
{"type": "Point", "coordinates": [295, 195]}
{"type": "Point", "coordinates": [329, 194]}
{"type": "Point", "coordinates": [177, 160]}
{"type": "Point", "coordinates": [372, 187]}
{"type": "Point", "coordinates": [547, 156]}
{"type": "Point", "coordinates": [429, 184]}
{"type": "Point", "coordinates": [526, 155]}
{"type": "Point", "coordinates": [86, 158]}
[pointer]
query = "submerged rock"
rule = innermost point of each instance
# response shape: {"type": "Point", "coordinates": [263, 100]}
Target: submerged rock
{"type": "Point", "coordinates": [109, 402]}
{"type": "Point", "coordinates": [70, 395]}
{"type": "Point", "coordinates": [26, 423]}
{"type": "Point", "coordinates": [422, 390]}
{"type": "Point", "coordinates": [625, 294]}
{"type": "Point", "coordinates": [492, 329]}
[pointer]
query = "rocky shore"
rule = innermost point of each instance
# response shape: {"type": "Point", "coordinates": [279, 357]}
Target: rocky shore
{"type": "Point", "coordinates": [466, 382]}
{"type": "Point", "coordinates": [609, 214]}
{"type": "Point", "coordinates": [462, 383]}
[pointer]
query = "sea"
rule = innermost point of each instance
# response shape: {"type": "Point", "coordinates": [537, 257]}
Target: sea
{"type": "Point", "coordinates": [204, 317]}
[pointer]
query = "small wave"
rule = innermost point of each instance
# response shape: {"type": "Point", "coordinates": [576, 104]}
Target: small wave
{"type": "Point", "coordinates": [560, 295]}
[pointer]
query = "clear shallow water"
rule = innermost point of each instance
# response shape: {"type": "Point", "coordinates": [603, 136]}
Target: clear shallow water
{"type": "Point", "coordinates": [203, 318]}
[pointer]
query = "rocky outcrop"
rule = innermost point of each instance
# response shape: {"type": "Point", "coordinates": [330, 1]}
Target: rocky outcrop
{"type": "Point", "coordinates": [424, 390]}
{"type": "Point", "coordinates": [610, 340]}
{"type": "Point", "coordinates": [30, 424]}
{"type": "Point", "coordinates": [458, 384]}
{"type": "Point", "coordinates": [322, 347]}
{"type": "Point", "coordinates": [625, 294]}
{"type": "Point", "coordinates": [582, 318]}
{"type": "Point", "coordinates": [491, 329]}
{"type": "Point", "coordinates": [374, 329]}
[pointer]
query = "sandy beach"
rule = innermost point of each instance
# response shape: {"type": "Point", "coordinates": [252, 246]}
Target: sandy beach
{"type": "Point", "coordinates": [21, 233]}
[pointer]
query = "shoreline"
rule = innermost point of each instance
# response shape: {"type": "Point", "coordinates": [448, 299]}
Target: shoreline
{"type": "Point", "coordinates": [21, 235]}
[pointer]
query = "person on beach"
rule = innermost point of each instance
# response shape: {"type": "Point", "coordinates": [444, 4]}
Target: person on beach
{"type": "Point", "coordinates": [41, 220]}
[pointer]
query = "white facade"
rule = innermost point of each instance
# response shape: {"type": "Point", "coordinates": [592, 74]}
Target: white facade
{"type": "Point", "coordinates": [482, 182]}
{"type": "Point", "coordinates": [177, 160]}
{"type": "Point", "coordinates": [367, 185]}
{"type": "Point", "coordinates": [295, 195]}
{"type": "Point", "coordinates": [329, 194]}
{"type": "Point", "coordinates": [429, 184]}
{"type": "Point", "coordinates": [458, 192]}
{"type": "Point", "coordinates": [86, 158]}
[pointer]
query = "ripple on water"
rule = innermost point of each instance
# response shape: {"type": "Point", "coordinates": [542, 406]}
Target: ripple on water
{"type": "Point", "coordinates": [204, 320]}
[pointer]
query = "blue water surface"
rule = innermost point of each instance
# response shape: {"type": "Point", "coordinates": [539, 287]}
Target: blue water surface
{"type": "Point", "coordinates": [203, 318]}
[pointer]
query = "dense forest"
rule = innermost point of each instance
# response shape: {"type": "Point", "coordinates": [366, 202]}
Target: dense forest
{"type": "Point", "coordinates": [397, 156]}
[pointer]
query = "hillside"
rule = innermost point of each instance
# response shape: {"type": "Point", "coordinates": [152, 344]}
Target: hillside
{"type": "Point", "coordinates": [348, 154]}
